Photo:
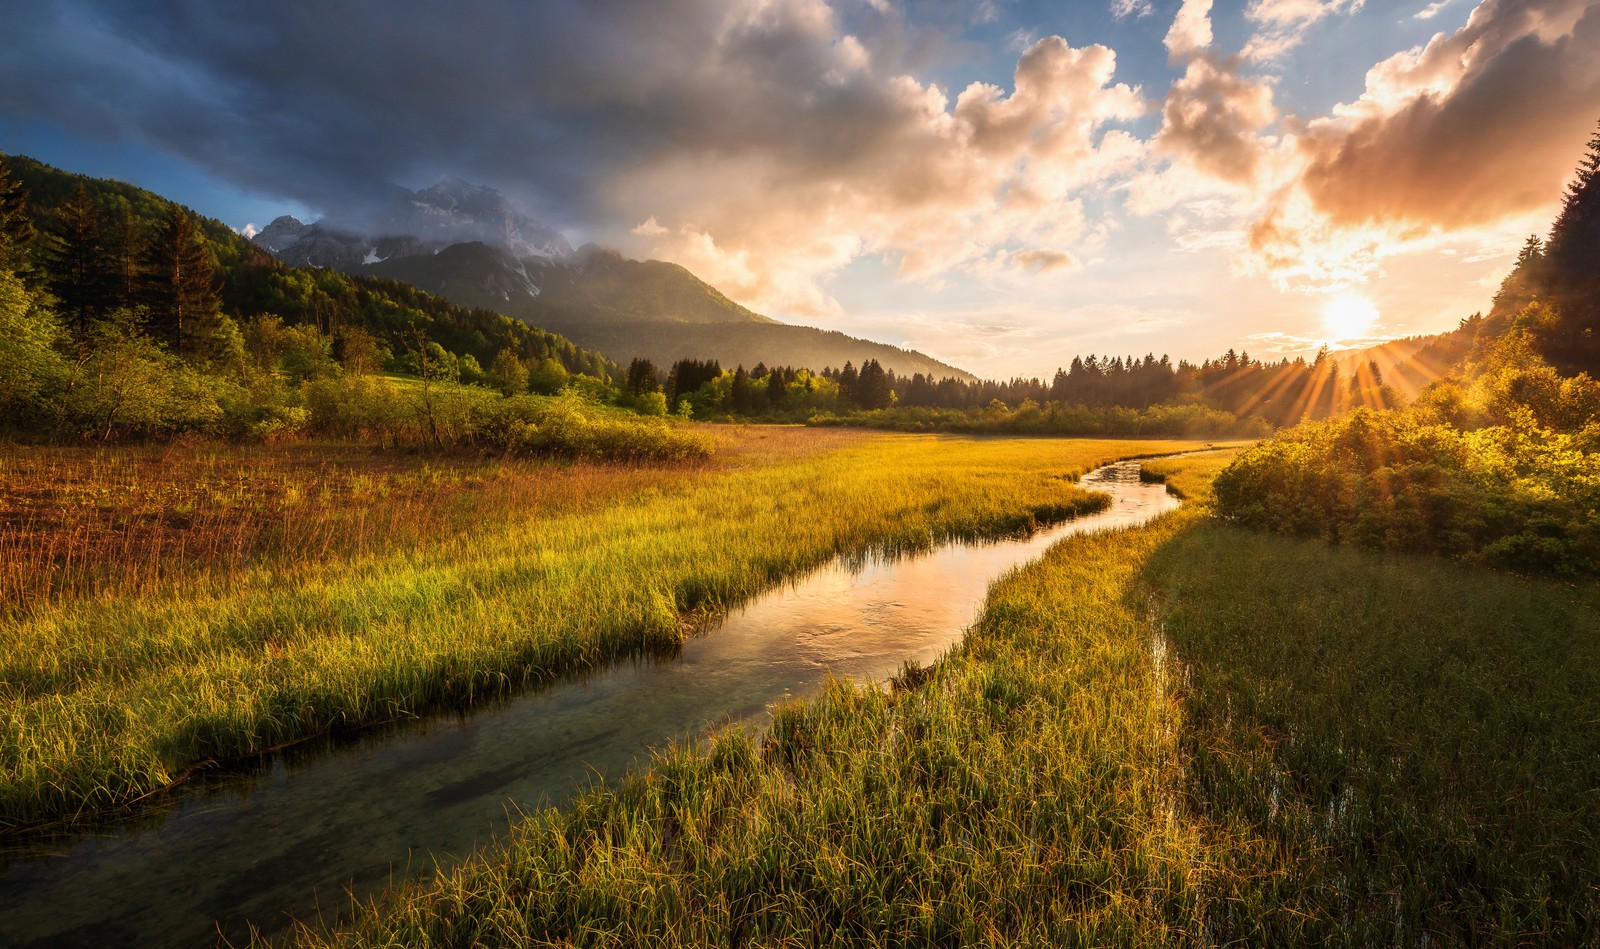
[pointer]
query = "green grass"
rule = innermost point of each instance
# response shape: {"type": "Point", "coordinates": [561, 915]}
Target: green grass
{"type": "Point", "coordinates": [1411, 746]}
{"type": "Point", "coordinates": [1180, 734]}
{"type": "Point", "coordinates": [106, 700]}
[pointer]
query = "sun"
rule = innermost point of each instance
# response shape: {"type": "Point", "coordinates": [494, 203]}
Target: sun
{"type": "Point", "coordinates": [1347, 317]}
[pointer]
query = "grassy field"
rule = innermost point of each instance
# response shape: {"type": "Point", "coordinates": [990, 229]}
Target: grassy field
{"type": "Point", "coordinates": [1181, 734]}
{"type": "Point", "coordinates": [171, 608]}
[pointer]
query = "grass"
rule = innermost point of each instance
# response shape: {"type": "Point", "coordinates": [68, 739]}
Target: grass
{"type": "Point", "coordinates": [1411, 745]}
{"type": "Point", "coordinates": [1179, 734]}
{"type": "Point", "coordinates": [472, 582]}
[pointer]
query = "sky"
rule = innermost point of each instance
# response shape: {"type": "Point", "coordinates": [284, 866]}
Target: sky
{"type": "Point", "coordinates": [1001, 184]}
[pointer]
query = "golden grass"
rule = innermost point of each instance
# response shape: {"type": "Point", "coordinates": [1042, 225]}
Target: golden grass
{"type": "Point", "coordinates": [488, 579]}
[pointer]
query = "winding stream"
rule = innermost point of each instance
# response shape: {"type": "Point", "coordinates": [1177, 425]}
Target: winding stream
{"type": "Point", "coordinates": [304, 829]}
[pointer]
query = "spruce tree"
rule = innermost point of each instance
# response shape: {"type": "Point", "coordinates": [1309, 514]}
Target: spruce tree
{"type": "Point", "coordinates": [872, 386]}
{"type": "Point", "coordinates": [739, 393]}
{"type": "Point", "coordinates": [777, 388]}
{"type": "Point", "coordinates": [79, 268]}
{"type": "Point", "coordinates": [642, 377]}
{"type": "Point", "coordinates": [180, 289]}
{"type": "Point", "coordinates": [1571, 271]}
{"type": "Point", "coordinates": [16, 227]}
{"type": "Point", "coordinates": [1573, 250]}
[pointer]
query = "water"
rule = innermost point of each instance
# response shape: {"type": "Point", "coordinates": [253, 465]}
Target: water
{"type": "Point", "coordinates": [304, 829]}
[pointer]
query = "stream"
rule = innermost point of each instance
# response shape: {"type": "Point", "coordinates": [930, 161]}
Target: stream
{"type": "Point", "coordinates": [296, 834]}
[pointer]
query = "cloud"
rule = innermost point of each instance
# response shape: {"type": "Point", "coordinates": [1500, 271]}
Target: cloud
{"type": "Point", "coordinates": [1283, 24]}
{"type": "Point", "coordinates": [894, 169]}
{"type": "Point", "coordinates": [1417, 150]}
{"type": "Point", "coordinates": [1467, 139]}
{"type": "Point", "coordinates": [1122, 9]}
{"type": "Point", "coordinates": [648, 228]}
{"type": "Point", "coordinates": [1044, 261]}
{"type": "Point", "coordinates": [759, 139]}
{"type": "Point", "coordinates": [1210, 120]}
{"type": "Point", "coordinates": [1191, 30]}
{"type": "Point", "coordinates": [1431, 10]}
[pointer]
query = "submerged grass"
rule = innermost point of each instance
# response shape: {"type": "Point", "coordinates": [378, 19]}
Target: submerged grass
{"type": "Point", "coordinates": [1180, 734]}
{"type": "Point", "coordinates": [106, 699]}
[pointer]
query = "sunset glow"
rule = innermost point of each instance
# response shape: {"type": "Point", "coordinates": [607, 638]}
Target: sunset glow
{"type": "Point", "coordinates": [1349, 317]}
{"type": "Point", "coordinates": [999, 185]}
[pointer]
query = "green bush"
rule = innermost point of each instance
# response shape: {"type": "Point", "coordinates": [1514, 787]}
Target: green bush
{"type": "Point", "coordinates": [570, 426]}
{"type": "Point", "coordinates": [1517, 495]}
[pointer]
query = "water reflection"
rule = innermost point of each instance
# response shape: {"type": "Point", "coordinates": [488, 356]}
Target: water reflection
{"type": "Point", "coordinates": [268, 843]}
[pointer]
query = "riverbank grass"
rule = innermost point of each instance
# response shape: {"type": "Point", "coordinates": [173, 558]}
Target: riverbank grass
{"type": "Point", "coordinates": [1176, 734]}
{"type": "Point", "coordinates": [106, 699]}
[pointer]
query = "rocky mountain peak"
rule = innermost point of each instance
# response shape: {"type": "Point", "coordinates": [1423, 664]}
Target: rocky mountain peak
{"type": "Point", "coordinates": [415, 223]}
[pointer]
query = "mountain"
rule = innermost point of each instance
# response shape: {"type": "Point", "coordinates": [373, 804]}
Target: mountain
{"type": "Point", "coordinates": [468, 244]}
{"type": "Point", "coordinates": [413, 223]}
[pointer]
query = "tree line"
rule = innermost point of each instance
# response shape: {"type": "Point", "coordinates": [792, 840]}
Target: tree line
{"type": "Point", "coordinates": [1280, 393]}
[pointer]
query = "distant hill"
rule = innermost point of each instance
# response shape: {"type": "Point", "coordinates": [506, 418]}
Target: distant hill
{"type": "Point", "coordinates": [596, 297]}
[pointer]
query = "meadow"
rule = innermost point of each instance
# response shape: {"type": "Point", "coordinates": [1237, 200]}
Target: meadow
{"type": "Point", "coordinates": [1182, 733]}
{"type": "Point", "coordinates": [167, 608]}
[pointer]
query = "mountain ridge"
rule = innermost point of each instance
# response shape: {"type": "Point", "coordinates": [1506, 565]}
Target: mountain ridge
{"type": "Point", "coordinates": [598, 298]}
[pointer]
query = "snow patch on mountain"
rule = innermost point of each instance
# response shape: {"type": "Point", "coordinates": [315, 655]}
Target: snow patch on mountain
{"type": "Point", "coordinates": [415, 223]}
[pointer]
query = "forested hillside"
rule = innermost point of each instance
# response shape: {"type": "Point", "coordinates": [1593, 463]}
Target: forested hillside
{"type": "Point", "coordinates": [93, 244]}
{"type": "Point", "coordinates": [123, 315]}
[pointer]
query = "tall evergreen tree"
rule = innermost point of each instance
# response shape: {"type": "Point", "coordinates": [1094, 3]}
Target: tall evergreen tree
{"type": "Point", "coordinates": [125, 250]}
{"type": "Point", "coordinates": [181, 288]}
{"type": "Point", "coordinates": [79, 268]}
{"type": "Point", "coordinates": [642, 377]}
{"type": "Point", "coordinates": [740, 394]}
{"type": "Point", "coordinates": [16, 227]}
{"type": "Point", "coordinates": [777, 388]}
{"type": "Point", "coordinates": [1572, 272]}
{"type": "Point", "coordinates": [1573, 251]}
{"type": "Point", "coordinates": [872, 386]}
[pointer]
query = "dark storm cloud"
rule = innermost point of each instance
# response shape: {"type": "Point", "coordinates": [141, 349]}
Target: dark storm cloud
{"type": "Point", "coordinates": [327, 102]}
{"type": "Point", "coordinates": [766, 142]}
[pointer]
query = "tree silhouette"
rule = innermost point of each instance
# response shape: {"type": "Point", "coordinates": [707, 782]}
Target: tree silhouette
{"type": "Point", "coordinates": [181, 288]}
{"type": "Point", "coordinates": [80, 271]}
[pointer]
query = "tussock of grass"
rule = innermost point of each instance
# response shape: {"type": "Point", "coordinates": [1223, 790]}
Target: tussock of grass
{"type": "Point", "coordinates": [102, 702]}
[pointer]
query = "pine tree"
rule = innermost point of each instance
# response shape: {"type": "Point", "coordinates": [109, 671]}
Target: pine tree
{"type": "Point", "coordinates": [16, 228]}
{"type": "Point", "coordinates": [777, 388]}
{"type": "Point", "coordinates": [1571, 270]}
{"type": "Point", "coordinates": [125, 250]}
{"type": "Point", "coordinates": [872, 386]}
{"type": "Point", "coordinates": [181, 289]}
{"type": "Point", "coordinates": [739, 393]}
{"type": "Point", "coordinates": [847, 384]}
{"type": "Point", "coordinates": [79, 268]}
{"type": "Point", "coordinates": [642, 377]}
{"type": "Point", "coordinates": [1574, 246]}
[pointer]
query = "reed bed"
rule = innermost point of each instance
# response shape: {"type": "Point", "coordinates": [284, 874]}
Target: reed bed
{"type": "Point", "coordinates": [107, 699]}
{"type": "Point", "coordinates": [1178, 734]}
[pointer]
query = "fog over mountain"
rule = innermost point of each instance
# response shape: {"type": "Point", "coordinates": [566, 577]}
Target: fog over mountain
{"type": "Point", "coordinates": [412, 223]}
